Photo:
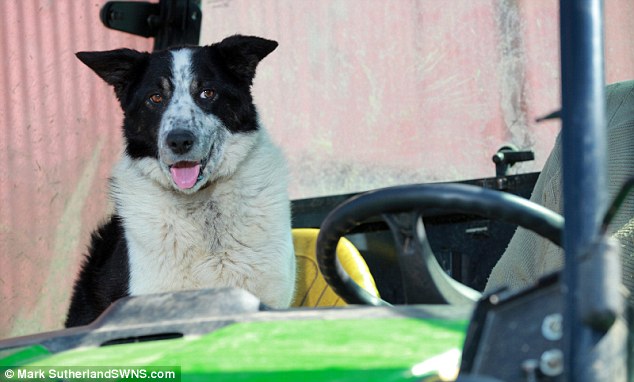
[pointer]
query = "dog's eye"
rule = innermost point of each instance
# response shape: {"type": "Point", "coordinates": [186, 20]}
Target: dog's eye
{"type": "Point", "coordinates": [207, 94]}
{"type": "Point", "coordinates": [156, 98]}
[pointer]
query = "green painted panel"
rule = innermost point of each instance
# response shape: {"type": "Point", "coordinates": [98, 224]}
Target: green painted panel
{"type": "Point", "coordinates": [393, 349]}
{"type": "Point", "coordinates": [22, 355]}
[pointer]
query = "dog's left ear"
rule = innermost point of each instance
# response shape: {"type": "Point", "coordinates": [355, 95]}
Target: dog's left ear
{"type": "Point", "coordinates": [242, 54]}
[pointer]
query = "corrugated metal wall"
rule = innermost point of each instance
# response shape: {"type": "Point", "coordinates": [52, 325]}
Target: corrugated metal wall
{"type": "Point", "coordinates": [409, 90]}
{"type": "Point", "coordinates": [364, 94]}
{"type": "Point", "coordinates": [59, 135]}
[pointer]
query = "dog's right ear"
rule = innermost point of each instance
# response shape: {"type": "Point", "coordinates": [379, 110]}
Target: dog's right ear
{"type": "Point", "coordinates": [116, 67]}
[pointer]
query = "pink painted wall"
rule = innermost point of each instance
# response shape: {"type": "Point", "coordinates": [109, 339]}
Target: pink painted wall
{"type": "Point", "coordinates": [366, 94]}
{"type": "Point", "coordinates": [360, 94]}
{"type": "Point", "coordinates": [59, 135]}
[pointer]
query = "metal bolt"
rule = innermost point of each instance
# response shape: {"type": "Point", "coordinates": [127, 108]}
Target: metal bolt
{"type": "Point", "coordinates": [551, 363]}
{"type": "Point", "coordinates": [530, 369]}
{"type": "Point", "coordinates": [502, 183]}
{"type": "Point", "coordinates": [552, 327]}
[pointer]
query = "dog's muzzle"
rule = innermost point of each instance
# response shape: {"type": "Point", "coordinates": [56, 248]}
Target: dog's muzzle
{"type": "Point", "coordinates": [184, 173]}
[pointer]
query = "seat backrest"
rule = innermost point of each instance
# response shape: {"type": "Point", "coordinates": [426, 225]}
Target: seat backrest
{"type": "Point", "coordinates": [311, 290]}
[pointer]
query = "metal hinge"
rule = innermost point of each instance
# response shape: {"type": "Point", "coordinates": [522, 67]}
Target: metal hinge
{"type": "Point", "coordinates": [169, 22]}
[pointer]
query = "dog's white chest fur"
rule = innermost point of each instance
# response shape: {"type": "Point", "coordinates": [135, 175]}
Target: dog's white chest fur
{"type": "Point", "coordinates": [233, 233]}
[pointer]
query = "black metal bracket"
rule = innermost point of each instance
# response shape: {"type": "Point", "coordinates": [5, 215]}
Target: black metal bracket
{"type": "Point", "coordinates": [170, 22]}
{"type": "Point", "coordinates": [519, 335]}
{"type": "Point", "coordinates": [507, 156]}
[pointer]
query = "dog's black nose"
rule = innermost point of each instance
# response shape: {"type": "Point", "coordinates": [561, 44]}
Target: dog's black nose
{"type": "Point", "coordinates": [180, 141]}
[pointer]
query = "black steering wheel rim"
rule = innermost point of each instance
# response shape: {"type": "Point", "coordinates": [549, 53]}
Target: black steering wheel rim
{"type": "Point", "coordinates": [452, 198]}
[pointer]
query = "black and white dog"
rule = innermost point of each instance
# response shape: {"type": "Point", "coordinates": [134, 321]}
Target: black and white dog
{"type": "Point", "coordinates": [200, 192]}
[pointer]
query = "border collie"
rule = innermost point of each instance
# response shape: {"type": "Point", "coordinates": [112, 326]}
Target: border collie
{"type": "Point", "coordinates": [200, 192]}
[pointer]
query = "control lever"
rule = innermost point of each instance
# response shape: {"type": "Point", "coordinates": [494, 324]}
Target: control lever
{"type": "Point", "coordinates": [507, 156]}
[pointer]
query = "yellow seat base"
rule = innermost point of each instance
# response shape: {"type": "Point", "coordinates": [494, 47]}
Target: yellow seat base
{"type": "Point", "coordinates": [311, 289]}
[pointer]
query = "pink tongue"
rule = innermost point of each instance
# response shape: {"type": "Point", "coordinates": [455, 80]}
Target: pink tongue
{"type": "Point", "coordinates": [185, 175]}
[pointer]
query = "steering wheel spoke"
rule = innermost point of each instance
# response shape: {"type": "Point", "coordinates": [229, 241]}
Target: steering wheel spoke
{"type": "Point", "coordinates": [423, 278]}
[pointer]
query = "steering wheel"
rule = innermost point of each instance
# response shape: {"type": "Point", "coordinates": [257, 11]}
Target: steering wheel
{"type": "Point", "coordinates": [424, 280]}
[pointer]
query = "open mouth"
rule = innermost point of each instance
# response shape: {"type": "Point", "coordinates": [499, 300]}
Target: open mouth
{"type": "Point", "coordinates": [186, 174]}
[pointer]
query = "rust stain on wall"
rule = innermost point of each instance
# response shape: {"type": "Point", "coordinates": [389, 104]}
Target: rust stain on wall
{"type": "Point", "coordinates": [67, 239]}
